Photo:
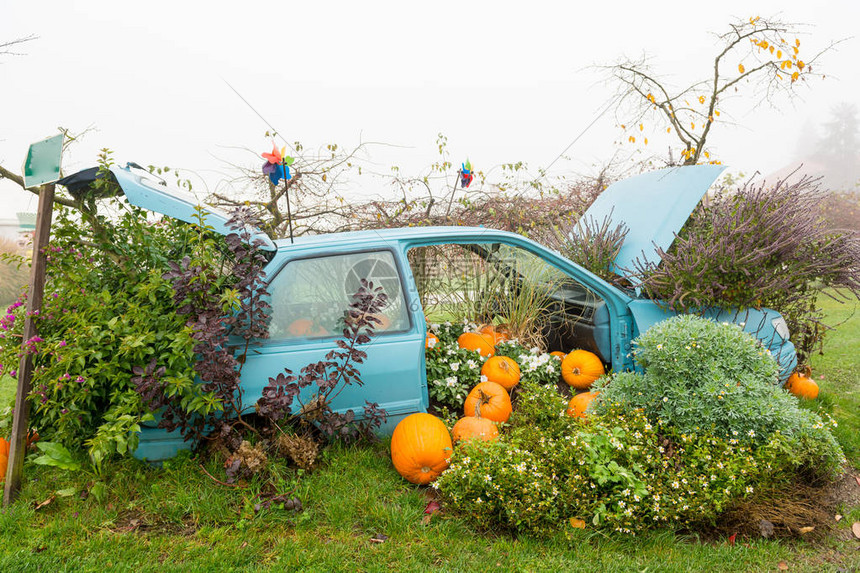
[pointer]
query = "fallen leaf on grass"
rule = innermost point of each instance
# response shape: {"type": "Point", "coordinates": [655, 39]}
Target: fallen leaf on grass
{"type": "Point", "coordinates": [432, 507]}
{"type": "Point", "coordinates": [577, 523]}
{"type": "Point", "coordinates": [379, 538]}
{"type": "Point", "coordinates": [857, 479]}
{"type": "Point", "coordinates": [44, 503]}
{"type": "Point", "coordinates": [732, 538]}
{"type": "Point", "coordinates": [805, 530]}
{"type": "Point", "coordinates": [783, 566]}
{"type": "Point", "coordinates": [837, 517]}
{"type": "Point", "coordinates": [855, 529]}
{"type": "Point", "coordinates": [426, 519]}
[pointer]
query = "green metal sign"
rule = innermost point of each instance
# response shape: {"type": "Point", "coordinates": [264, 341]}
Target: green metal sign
{"type": "Point", "coordinates": [43, 161]}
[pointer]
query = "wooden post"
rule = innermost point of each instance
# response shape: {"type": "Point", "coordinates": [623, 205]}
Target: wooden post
{"type": "Point", "coordinates": [21, 419]}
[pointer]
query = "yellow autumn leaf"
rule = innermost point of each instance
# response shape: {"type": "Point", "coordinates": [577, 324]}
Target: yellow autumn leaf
{"type": "Point", "coordinates": [668, 130]}
{"type": "Point", "coordinates": [623, 126]}
{"type": "Point", "coordinates": [795, 50]}
{"type": "Point", "coordinates": [692, 125]}
{"type": "Point", "coordinates": [763, 44]}
{"type": "Point", "coordinates": [717, 112]}
{"type": "Point", "coordinates": [741, 68]}
{"type": "Point", "coordinates": [577, 523]}
{"type": "Point", "coordinates": [707, 155]}
{"type": "Point", "coordinates": [646, 141]}
{"type": "Point", "coordinates": [651, 98]}
{"type": "Point", "coordinates": [779, 53]}
{"type": "Point", "coordinates": [641, 127]}
{"type": "Point", "coordinates": [800, 64]}
{"type": "Point", "coordinates": [701, 99]}
{"type": "Point", "coordinates": [788, 64]}
{"type": "Point", "coordinates": [797, 42]}
{"type": "Point", "coordinates": [794, 76]}
{"type": "Point", "coordinates": [771, 49]}
{"type": "Point", "coordinates": [631, 139]}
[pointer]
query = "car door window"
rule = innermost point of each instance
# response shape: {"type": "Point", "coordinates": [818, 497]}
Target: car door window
{"type": "Point", "coordinates": [311, 297]}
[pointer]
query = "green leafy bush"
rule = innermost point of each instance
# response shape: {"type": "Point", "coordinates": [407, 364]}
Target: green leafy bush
{"type": "Point", "coordinates": [704, 378]}
{"type": "Point", "coordinates": [618, 471]}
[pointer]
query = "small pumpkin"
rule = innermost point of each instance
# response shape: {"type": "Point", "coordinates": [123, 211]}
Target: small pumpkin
{"type": "Point", "coordinates": [305, 327]}
{"type": "Point", "coordinates": [496, 333]}
{"type": "Point", "coordinates": [488, 400]}
{"type": "Point", "coordinates": [581, 368]}
{"type": "Point", "coordinates": [502, 370]}
{"type": "Point", "coordinates": [558, 354]}
{"type": "Point", "coordinates": [802, 386]}
{"type": "Point", "coordinates": [420, 448]}
{"type": "Point", "coordinates": [474, 428]}
{"type": "Point", "coordinates": [579, 403]}
{"type": "Point", "coordinates": [383, 324]}
{"type": "Point", "coordinates": [483, 344]}
{"type": "Point", "coordinates": [431, 341]}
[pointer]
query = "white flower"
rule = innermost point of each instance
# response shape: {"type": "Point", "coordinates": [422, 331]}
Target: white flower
{"type": "Point", "coordinates": [484, 378]}
{"type": "Point", "coordinates": [451, 381]}
{"type": "Point", "coordinates": [454, 366]}
{"type": "Point", "coordinates": [751, 434]}
{"type": "Point", "coordinates": [471, 364]}
{"type": "Point", "coordinates": [665, 399]}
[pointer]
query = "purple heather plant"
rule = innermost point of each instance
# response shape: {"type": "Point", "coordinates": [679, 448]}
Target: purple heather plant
{"type": "Point", "coordinates": [762, 246]}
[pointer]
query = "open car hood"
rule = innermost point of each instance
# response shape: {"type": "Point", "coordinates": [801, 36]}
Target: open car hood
{"type": "Point", "coordinates": [147, 192]}
{"type": "Point", "coordinates": [654, 206]}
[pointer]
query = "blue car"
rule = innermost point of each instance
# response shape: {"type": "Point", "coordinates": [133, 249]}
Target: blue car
{"type": "Point", "coordinates": [311, 282]}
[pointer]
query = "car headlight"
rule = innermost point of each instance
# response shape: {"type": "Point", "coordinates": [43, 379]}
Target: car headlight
{"type": "Point", "coordinates": [781, 327]}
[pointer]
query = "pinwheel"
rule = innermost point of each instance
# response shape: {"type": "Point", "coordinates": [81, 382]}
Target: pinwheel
{"type": "Point", "coordinates": [466, 174]}
{"type": "Point", "coordinates": [277, 165]}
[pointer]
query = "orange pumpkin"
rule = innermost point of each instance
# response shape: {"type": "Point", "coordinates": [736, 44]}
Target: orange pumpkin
{"type": "Point", "coordinates": [484, 344]}
{"type": "Point", "coordinates": [431, 341]}
{"type": "Point", "coordinates": [420, 448]}
{"type": "Point", "coordinates": [305, 327]}
{"type": "Point", "coordinates": [474, 428]}
{"type": "Point", "coordinates": [496, 334]}
{"type": "Point", "coordinates": [502, 370]}
{"type": "Point", "coordinates": [558, 354]}
{"type": "Point", "coordinates": [581, 368]}
{"type": "Point", "coordinates": [802, 386]}
{"type": "Point", "coordinates": [579, 403]}
{"type": "Point", "coordinates": [383, 324]}
{"type": "Point", "coordinates": [488, 400]}
{"type": "Point", "coordinates": [4, 458]}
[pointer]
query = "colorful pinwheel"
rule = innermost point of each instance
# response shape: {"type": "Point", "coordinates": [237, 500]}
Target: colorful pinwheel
{"type": "Point", "coordinates": [466, 174]}
{"type": "Point", "coordinates": [277, 165]}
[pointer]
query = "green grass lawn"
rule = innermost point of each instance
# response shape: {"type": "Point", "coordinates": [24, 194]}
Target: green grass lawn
{"type": "Point", "coordinates": [177, 519]}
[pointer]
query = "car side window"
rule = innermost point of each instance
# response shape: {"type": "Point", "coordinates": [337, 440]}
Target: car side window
{"type": "Point", "coordinates": [311, 297]}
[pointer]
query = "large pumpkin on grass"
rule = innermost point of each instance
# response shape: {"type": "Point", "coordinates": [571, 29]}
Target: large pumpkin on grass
{"type": "Point", "coordinates": [581, 368]}
{"type": "Point", "coordinates": [802, 386]}
{"type": "Point", "coordinates": [4, 458]}
{"type": "Point", "coordinates": [474, 428]}
{"type": "Point", "coordinates": [420, 448]}
{"type": "Point", "coordinates": [579, 403]}
{"type": "Point", "coordinates": [502, 370]}
{"type": "Point", "coordinates": [484, 344]}
{"type": "Point", "coordinates": [488, 400]}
